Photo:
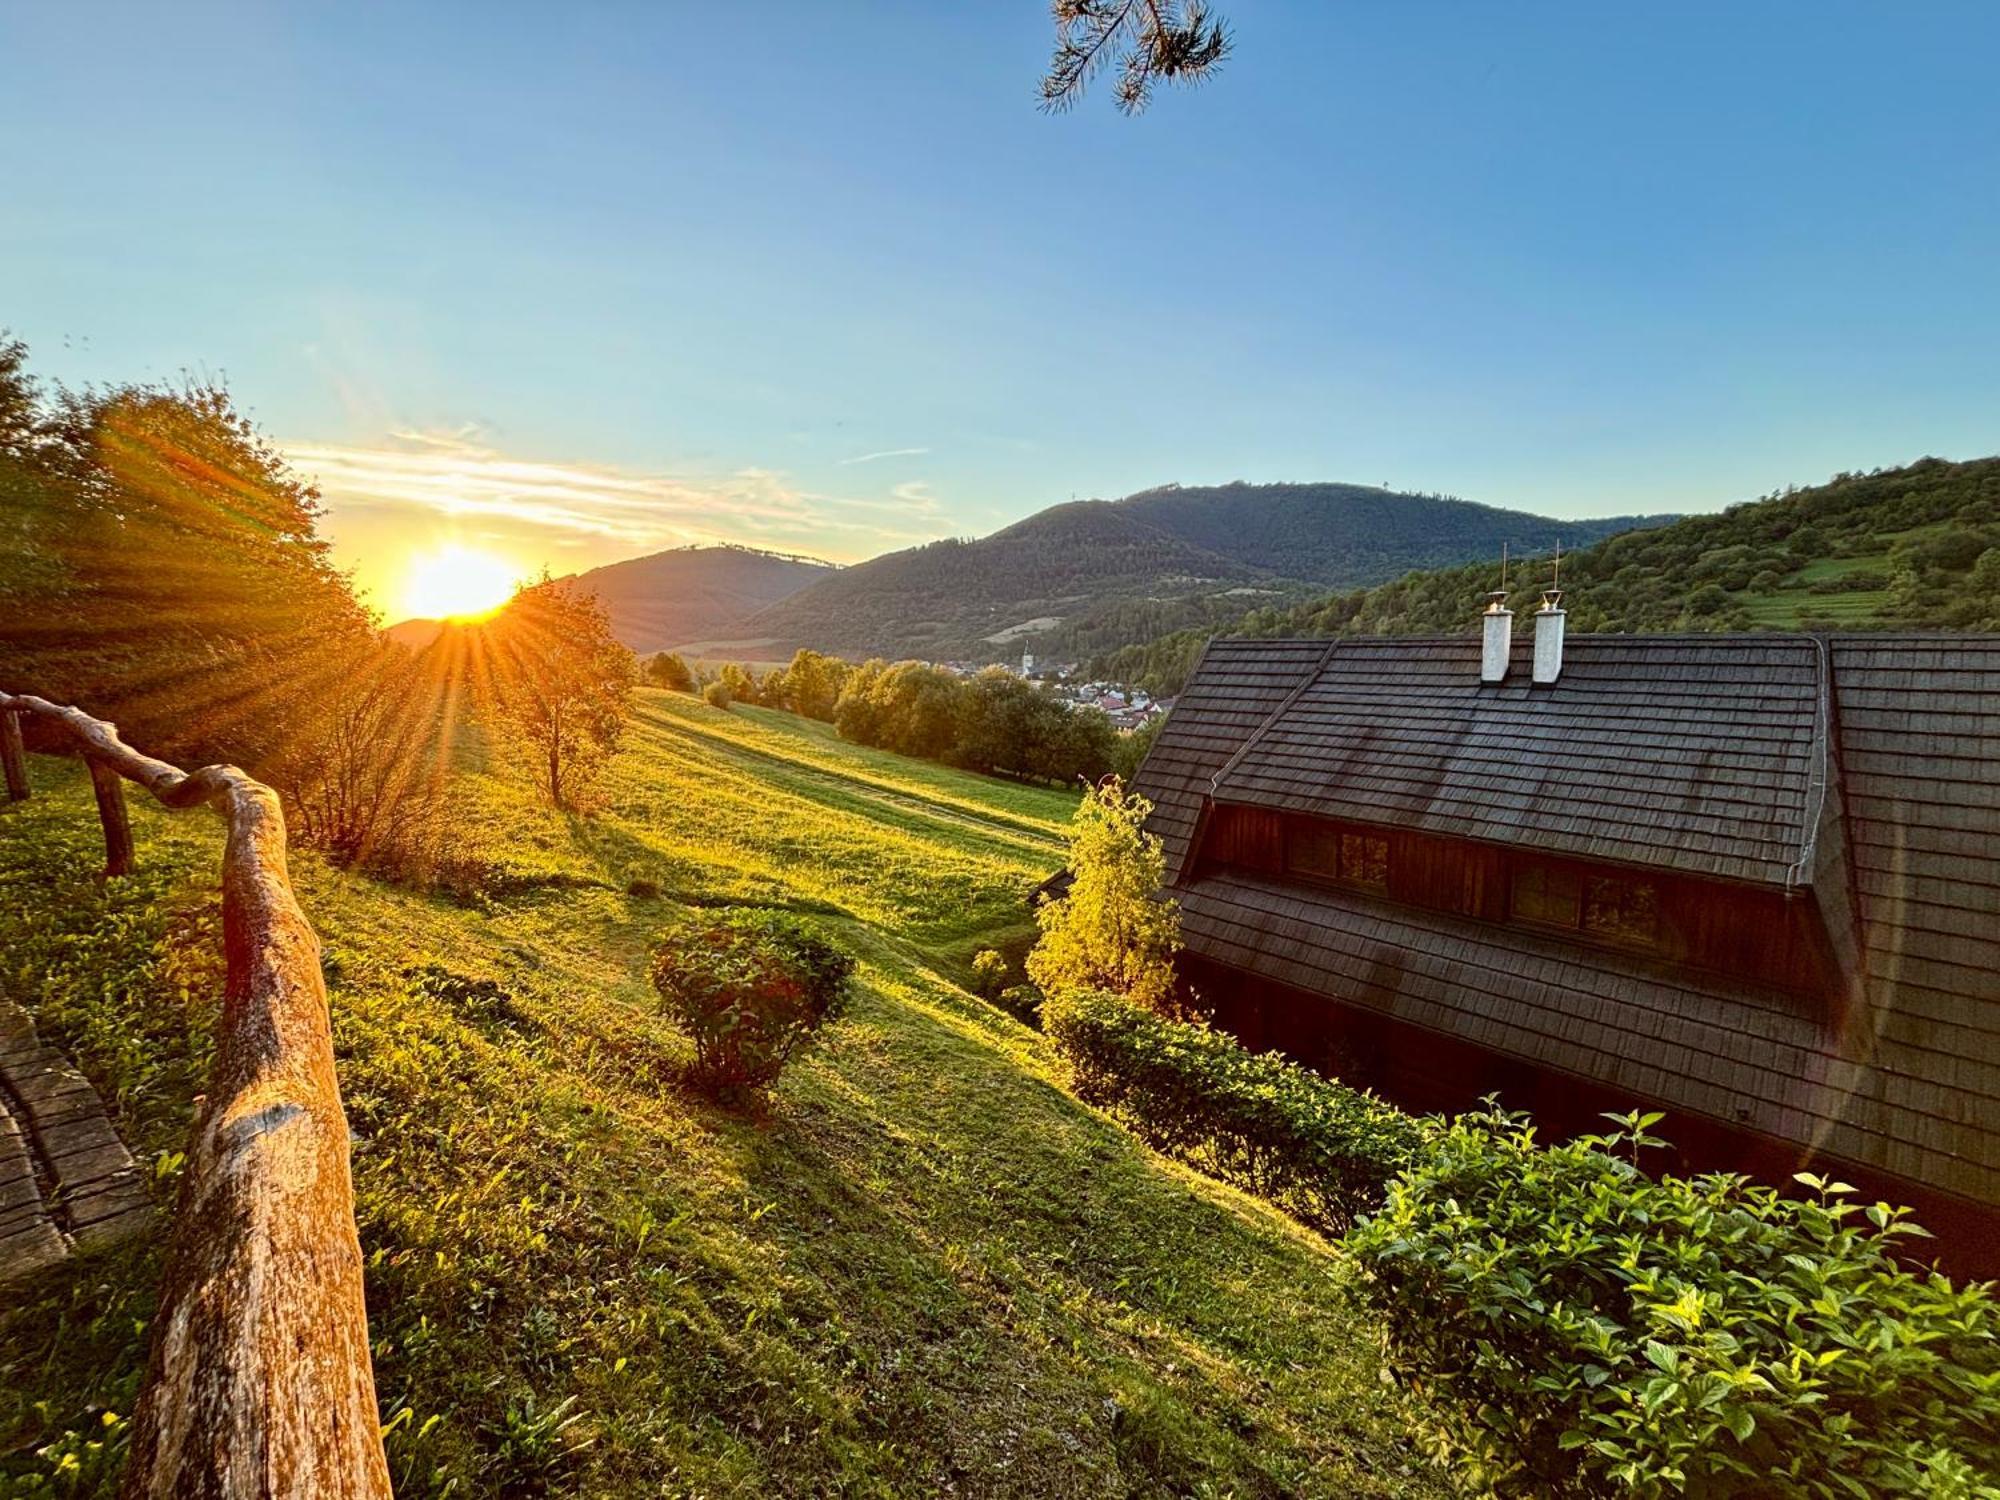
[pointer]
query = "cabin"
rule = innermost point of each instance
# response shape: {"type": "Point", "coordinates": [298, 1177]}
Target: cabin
{"type": "Point", "coordinates": [1750, 880]}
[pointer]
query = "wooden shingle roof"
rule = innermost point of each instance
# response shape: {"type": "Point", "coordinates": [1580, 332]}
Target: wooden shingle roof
{"type": "Point", "coordinates": [1861, 771]}
{"type": "Point", "coordinates": [1693, 754]}
{"type": "Point", "coordinates": [1235, 688]}
{"type": "Point", "coordinates": [1919, 741]}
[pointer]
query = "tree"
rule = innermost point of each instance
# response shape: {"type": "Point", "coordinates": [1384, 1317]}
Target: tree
{"type": "Point", "coordinates": [1112, 930]}
{"type": "Point", "coordinates": [813, 683]}
{"type": "Point", "coordinates": [669, 670]}
{"type": "Point", "coordinates": [1178, 40]}
{"type": "Point", "coordinates": [562, 681]}
{"type": "Point", "coordinates": [856, 716]}
{"type": "Point", "coordinates": [739, 681]}
{"type": "Point", "coordinates": [363, 775]}
{"type": "Point", "coordinates": [162, 567]}
{"type": "Point", "coordinates": [995, 727]}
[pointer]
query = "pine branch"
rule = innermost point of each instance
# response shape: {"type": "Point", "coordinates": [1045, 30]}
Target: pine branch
{"type": "Point", "coordinates": [1178, 40]}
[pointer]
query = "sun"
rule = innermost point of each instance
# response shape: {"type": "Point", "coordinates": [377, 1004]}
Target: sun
{"type": "Point", "coordinates": [456, 582]}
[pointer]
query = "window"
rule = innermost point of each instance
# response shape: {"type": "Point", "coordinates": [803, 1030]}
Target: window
{"type": "Point", "coordinates": [1327, 851]}
{"type": "Point", "coordinates": [1622, 911]}
{"type": "Point", "coordinates": [1611, 907]}
{"type": "Point", "coordinates": [1547, 894]}
{"type": "Point", "coordinates": [1364, 860]}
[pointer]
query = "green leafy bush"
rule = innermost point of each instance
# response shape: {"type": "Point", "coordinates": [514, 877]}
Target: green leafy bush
{"type": "Point", "coordinates": [989, 973]}
{"type": "Point", "coordinates": [717, 695]}
{"type": "Point", "coordinates": [1320, 1150]}
{"type": "Point", "coordinates": [749, 987]}
{"type": "Point", "coordinates": [1594, 1331]}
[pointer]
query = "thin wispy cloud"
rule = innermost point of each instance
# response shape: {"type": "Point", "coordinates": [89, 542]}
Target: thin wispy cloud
{"type": "Point", "coordinates": [417, 484]}
{"type": "Point", "coordinates": [869, 458]}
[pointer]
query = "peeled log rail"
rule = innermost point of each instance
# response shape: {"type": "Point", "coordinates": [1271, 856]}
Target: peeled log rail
{"type": "Point", "coordinates": [258, 1382]}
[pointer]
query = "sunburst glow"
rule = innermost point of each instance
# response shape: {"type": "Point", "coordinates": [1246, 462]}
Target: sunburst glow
{"type": "Point", "coordinates": [456, 582]}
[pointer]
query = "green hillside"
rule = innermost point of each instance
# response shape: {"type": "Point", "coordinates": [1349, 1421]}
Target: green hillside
{"type": "Point", "coordinates": [1092, 575]}
{"type": "Point", "coordinates": [926, 1270]}
{"type": "Point", "coordinates": [1915, 548]}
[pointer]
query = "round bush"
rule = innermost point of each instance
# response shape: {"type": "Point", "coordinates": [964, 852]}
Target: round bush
{"type": "Point", "coordinates": [749, 987]}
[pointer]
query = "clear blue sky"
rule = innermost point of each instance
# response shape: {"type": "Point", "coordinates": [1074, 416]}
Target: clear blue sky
{"type": "Point", "coordinates": [589, 279]}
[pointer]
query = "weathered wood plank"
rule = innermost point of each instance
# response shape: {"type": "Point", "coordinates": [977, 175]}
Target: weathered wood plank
{"type": "Point", "coordinates": [28, 1239]}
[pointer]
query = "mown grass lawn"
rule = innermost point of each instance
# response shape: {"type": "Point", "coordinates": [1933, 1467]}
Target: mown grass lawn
{"type": "Point", "coordinates": [924, 1270]}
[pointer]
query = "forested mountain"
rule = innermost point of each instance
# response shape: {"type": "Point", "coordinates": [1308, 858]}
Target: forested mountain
{"type": "Point", "coordinates": [1092, 575]}
{"type": "Point", "coordinates": [678, 596]}
{"type": "Point", "coordinates": [692, 593]}
{"type": "Point", "coordinates": [1915, 547]}
{"type": "Point", "coordinates": [1342, 535]}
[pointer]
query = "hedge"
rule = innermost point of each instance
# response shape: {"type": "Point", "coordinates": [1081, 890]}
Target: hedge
{"type": "Point", "coordinates": [1319, 1150]}
{"type": "Point", "coordinates": [1593, 1331]}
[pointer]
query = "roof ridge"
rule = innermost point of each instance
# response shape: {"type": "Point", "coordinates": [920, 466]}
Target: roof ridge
{"type": "Point", "coordinates": [1319, 667]}
{"type": "Point", "coordinates": [1778, 638]}
{"type": "Point", "coordinates": [1816, 774]}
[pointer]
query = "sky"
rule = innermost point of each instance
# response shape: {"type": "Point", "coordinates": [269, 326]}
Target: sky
{"type": "Point", "coordinates": [563, 284]}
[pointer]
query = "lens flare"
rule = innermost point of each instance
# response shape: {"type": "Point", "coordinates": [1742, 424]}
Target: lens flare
{"type": "Point", "coordinates": [456, 583]}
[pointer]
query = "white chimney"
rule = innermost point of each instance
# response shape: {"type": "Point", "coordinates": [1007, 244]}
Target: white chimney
{"type": "Point", "coordinates": [1549, 638]}
{"type": "Point", "coordinates": [1499, 638]}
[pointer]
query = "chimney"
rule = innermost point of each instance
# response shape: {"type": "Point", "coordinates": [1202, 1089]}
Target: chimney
{"type": "Point", "coordinates": [1549, 638]}
{"type": "Point", "coordinates": [1499, 639]}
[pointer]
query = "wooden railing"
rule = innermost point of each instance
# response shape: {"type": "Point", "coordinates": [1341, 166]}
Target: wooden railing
{"type": "Point", "coordinates": [258, 1382]}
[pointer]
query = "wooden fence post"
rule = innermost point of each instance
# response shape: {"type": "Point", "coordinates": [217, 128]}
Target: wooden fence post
{"type": "Point", "coordinates": [13, 756]}
{"type": "Point", "coordinates": [110, 789]}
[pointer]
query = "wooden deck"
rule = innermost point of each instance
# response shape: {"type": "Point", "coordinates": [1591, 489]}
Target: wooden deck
{"type": "Point", "coordinates": [66, 1180]}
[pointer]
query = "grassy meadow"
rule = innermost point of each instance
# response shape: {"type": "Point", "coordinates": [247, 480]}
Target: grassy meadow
{"type": "Point", "coordinates": [922, 1270]}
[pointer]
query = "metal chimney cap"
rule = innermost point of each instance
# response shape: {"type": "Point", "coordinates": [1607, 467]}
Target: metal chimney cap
{"type": "Point", "coordinates": [1496, 601]}
{"type": "Point", "coordinates": [1552, 599]}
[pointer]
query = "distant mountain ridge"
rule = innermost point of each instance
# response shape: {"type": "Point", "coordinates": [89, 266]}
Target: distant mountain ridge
{"type": "Point", "coordinates": [691, 593]}
{"type": "Point", "coordinates": [682, 594]}
{"type": "Point", "coordinates": [1915, 547]}
{"type": "Point", "coordinates": [1089, 575]}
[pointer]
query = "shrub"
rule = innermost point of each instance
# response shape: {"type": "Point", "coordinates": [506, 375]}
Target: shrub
{"type": "Point", "coordinates": [989, 973]}
{"type": "Point", "coordinates": [716, 695]}
{"type": "Point", "coordinates": [749, 987]}
{"type": "Point", "coordinates": [1112, 929]}
{"type": "Point", "coordinates": [1600, 1332]}
{"type": "Point", "coordinates": [1318, 1149]}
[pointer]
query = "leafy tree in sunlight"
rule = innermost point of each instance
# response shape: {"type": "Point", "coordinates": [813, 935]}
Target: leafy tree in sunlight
{"type": "Point", "coordinates": [1112, 930]}
{"type": "Point", "coordinates": [1178, 40]}
{"type": "Point", "coordinates": [812, 684]}
{"type": "Point", "coordinates": [364, 776]}
{"type": "Point", "coordinates": [162, 567]}
{"type": "Point", "coordinates": [562, 682]}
